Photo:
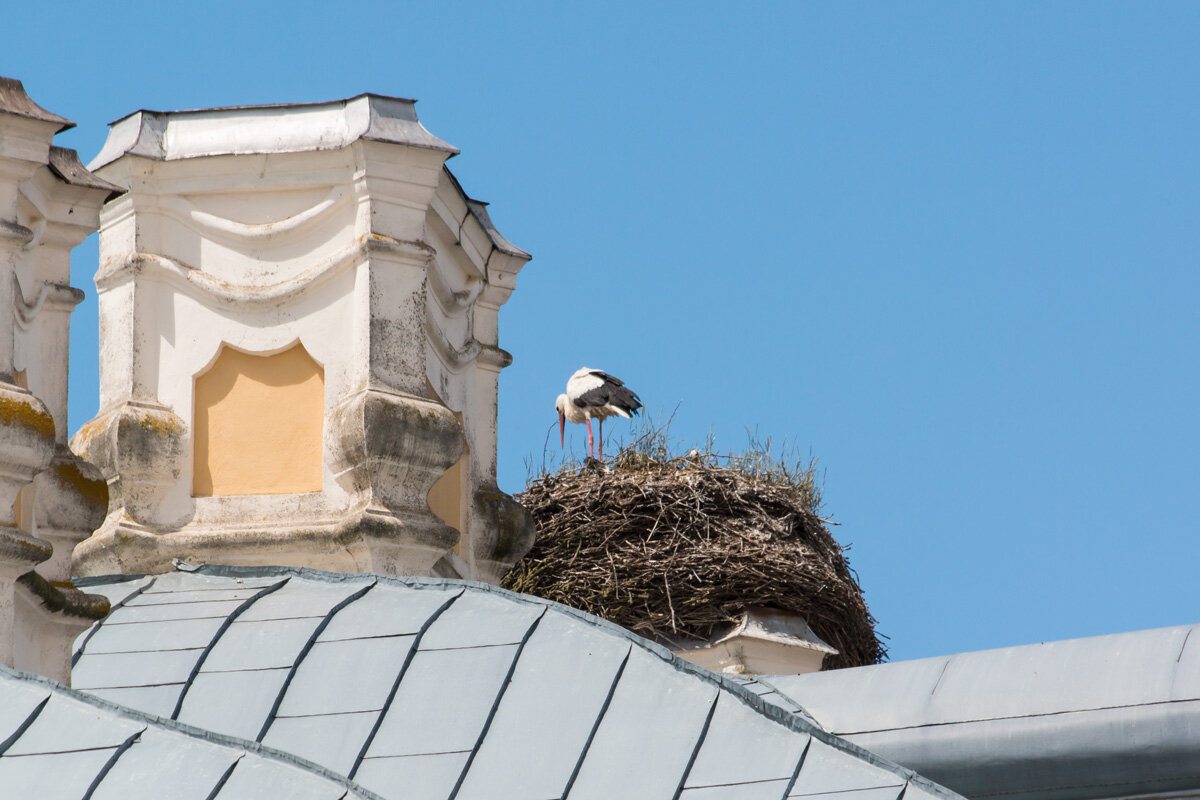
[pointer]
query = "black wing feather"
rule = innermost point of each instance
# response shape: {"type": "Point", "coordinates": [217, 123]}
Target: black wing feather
{"type": "Point", "coordinates": [611, 392]}
{"type": "Point", "coordinates": [594, 398]}
{"type": "Point", "coordinates": [626, 399]}
{"type": "Point", "coordinates": [604, 376]}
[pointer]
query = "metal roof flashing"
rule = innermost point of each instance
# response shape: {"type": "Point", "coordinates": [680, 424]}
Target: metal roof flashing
{"type": "Point", "coordinates": [478, 210]}
{"type": "Point", "coordinates": [64, 162]}
{"type": "Point", "coordinates": [272, 128]}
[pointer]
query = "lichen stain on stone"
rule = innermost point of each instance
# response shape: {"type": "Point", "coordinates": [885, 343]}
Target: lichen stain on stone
{"type": "Point", "coordinates": [90, 428]}
{"type": "Point", "coordinates": [164, 425]}
{"type": "Point", "coordinates": [14, 413]}
{"type": "Point", "coordinates": [93, 491]}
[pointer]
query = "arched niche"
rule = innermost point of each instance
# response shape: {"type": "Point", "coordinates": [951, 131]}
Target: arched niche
{"type": "Point", "coordinates": [258, 424]}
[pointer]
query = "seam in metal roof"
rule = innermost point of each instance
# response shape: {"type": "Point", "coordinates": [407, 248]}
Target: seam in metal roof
{"type": "Point", "coordinates": [1102, 716]}
{"type": "Point", "coordinates": [264, 608]}
{"type": "Point", "coordinates": [112, 711]}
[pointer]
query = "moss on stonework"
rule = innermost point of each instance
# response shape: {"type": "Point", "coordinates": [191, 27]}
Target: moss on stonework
{"type": "Point", "coordinates": [23, 547]}
{"type": "Point", "coordinates": [92, 491]}
{"type": "Point", "coordinates": [14, 412]}
{"type": "Point", "coordinates": [67, 599]}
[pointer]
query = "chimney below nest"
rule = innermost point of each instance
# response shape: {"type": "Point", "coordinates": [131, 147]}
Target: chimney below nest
{"type": "Point", "coordinates": [765, 641]}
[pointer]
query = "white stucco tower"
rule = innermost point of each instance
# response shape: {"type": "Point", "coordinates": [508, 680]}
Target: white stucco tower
{"type": "Point", "coordinates": [299, 353]}
{"type": "Point", "coordinates": [49, 498]}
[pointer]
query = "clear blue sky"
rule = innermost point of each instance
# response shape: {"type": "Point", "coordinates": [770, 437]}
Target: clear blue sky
{"type": "Point", "coordinates": [949, 247]}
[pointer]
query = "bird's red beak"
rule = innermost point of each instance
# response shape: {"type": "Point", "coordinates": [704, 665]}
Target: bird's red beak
{"type": "Point", "coordinates": [562, 430]}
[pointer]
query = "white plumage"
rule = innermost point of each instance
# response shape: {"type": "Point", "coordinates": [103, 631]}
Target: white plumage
{"type": "Point", "coordinates": [594, 394]}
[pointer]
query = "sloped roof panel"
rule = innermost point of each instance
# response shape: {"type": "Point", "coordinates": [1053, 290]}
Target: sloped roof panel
{"type": "Point", "coordinates": [429, 688]}
{"type": "Point", "coordinates": [742, 748]}
{"type": "Point", "coordinates": [152, 668]}
{"type": "Point", "coordinates": [312, 694]}
{"type": "Point", "coordinates": [648, 706]}
{"type": "Point", "coordinates": [59, 743]}
{"type": "Point", "coordinates": [1104, 716]}
{"type": "Point", "coordinates": [73, 772]}
{"type": "Point", "coordinates": [62, 725]}
{"type": "Point", "coordinates": [235, 703]}
{"type": "Point", "coordinates": [563, 679]}
{"type": "Point", "coordinates": [387, 610]}
{"type": "Point", "coordinates": [120, 590]}
{"type": "Point", "coordinates": [442, 702]}
{"type": "Point", "coordinates": [160, 769]}
{"type": "Point", "coordinates": [178, 634]}
{"type": "Point", "coordinates": [479, 619]}
{"type": "Point", "coordinates": [261, 779]}
{"type": "Point", "coordinates": [20, 701]}
{"type": "Point", "coordinates": [825, 771]}
{"type": "Point", "coordinates": [334, 740]}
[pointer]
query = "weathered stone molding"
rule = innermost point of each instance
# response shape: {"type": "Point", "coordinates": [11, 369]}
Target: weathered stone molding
{"type": "Point", "coordinates": [48, 204]}
{"type": "Point", "coordinates": [27, 445]}
{"type": "Point", "coordinates": [509, 530]}
{"type": "Point", "coordinates": [52, 296]}
{"type": "Point", "coordinates": [141, 450]}
{"type": "Point", "coordinates": [70, 502]}
{"type": "Point", "coordinates": [49, 617]}
{"type": "Point", "coordinates": [212, 226]}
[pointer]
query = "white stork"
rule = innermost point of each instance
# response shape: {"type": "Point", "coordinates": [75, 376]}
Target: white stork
{"type": "Point", "coordinates": [592, 394]}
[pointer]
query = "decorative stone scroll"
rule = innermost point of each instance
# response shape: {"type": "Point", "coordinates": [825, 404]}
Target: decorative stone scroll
{"type": "Point", "coordinates": [334, 233]}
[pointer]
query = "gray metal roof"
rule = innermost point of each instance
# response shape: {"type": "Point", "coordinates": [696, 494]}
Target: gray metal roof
{"type": "Point", "coordinates": [58, 743]}
{"type": "Point", "coordinates": [480, 212]}
{"type": "Point", "coordinates": [65, 163]}
{"type": "Point", "coordinates": [1107, 716]}
{"type": "Point", "coordinates": [428, 688]}
{"type": "Point", "coordinates": [478, 209]}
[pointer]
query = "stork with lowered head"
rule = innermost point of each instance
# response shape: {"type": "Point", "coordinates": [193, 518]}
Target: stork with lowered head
{"type": "Point", "coordinates": [593, 394]}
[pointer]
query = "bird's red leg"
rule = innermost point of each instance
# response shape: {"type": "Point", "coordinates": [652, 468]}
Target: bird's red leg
{"type": "Point", "coordinates": [591, 443]}
{"type": "Point", "coordinates": [601, 438]}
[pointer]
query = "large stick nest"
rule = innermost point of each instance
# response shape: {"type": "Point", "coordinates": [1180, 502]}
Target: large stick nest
{"type": "Point", "coordinates": [676, 549]}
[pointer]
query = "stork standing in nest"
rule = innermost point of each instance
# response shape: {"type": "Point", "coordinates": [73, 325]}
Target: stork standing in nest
{"type": "Point", "coordinates": [592, 394]}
